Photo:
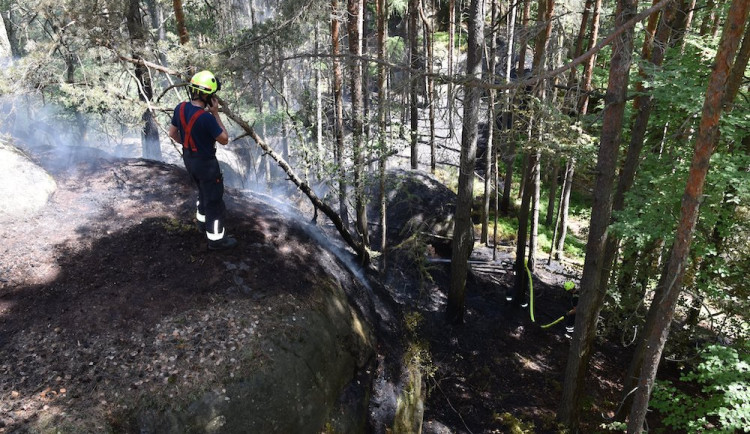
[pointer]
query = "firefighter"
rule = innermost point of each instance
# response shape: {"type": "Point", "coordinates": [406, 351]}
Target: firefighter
{"type": "Point", "coordinates": [197, 126]}
{"type": "Point", "coordinates": [570, 316]}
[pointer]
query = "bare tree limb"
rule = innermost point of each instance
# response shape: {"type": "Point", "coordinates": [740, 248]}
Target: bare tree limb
{"type": "Point", "coordinates": [303, 186]}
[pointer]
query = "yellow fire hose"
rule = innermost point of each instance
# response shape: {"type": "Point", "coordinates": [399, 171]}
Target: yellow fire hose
{"type": "Point", "coordinates": [531, 297]}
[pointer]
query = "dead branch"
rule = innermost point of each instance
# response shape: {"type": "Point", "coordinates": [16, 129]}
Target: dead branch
{"type": "Point", "coordinates": [361, 251]}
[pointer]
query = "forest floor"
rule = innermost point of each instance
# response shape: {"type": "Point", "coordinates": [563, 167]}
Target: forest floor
{"type": "Point", "coordinates": [502, 372]}
{"type": "Point", "coordinates": [79, 275]}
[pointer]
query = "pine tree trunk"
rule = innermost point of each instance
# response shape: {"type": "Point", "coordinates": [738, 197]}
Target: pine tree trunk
{"type": "Point", "coordinates": [523, 42]}
{"type": "Point", "coordinates": [544, 20]}
{"type": "Point", "coordinates": [521, 278]}
{"type": "Point", "coordinates": [588, 70]}
{"type": "Point", "coordinates": [414, 66]}
{"type": "Point", "coordinates": [355, 49]}
{"type": "Point", "coordinates": [339, 109]}
{"type": "Point", "coordinates": [592, 296]}
{"type": "Point", "coordinates": [562, 224]}
{"type": "Point", "coordinates": [451, 47]}
{"type": "Point", "coordinates": [554, 173]}
{"type": "Point", "coordinates": [179, 17]}
{"type": "Point", "coordinates": [318, 111]}
{"type": "Point", "coordinates": [572, 94]}
{"type": "Point", "coordinates": [490, 133]}
{"type": "Point", "coordinates": [667, 293]}
{"type": "Point", "coordinates": [463, 236]}
{"type": "Point", "coordinates": [509, 153]}
{"type": "Point", "coordinates": [382, 14]}
{"type": "Point", "coordinates": [535, 166]}
{"type": "Point", "coordinates": [430, 97]}
{"type": "Point", "coordinates": [150, 147]}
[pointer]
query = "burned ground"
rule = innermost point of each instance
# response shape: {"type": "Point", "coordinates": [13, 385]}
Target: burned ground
{"type": "Point", "coordinates": [110, 301]}
{"type": "Point", "coordinates": [99, 294]}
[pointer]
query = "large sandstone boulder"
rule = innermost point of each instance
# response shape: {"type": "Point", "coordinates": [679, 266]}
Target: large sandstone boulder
{"type": "Point", "coordinates": [24, 186]}
{"type": "Point", "coordinates": [417, 204]}
{"type": "Point", "coordinates": [116, 318]}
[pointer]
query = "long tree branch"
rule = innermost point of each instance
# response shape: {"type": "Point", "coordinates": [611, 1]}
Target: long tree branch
{"type": "Point", "coordinates": [303, 186]}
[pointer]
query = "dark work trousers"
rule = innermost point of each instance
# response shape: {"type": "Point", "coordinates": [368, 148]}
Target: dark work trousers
{"type": "Point", "coordinates": [206, 174]}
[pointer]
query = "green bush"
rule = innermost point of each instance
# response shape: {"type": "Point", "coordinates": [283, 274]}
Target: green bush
{"type": "Point", "coordinates": [723, 404]}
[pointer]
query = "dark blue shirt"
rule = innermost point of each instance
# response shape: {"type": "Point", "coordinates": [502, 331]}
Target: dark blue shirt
{"type": "Point", "coordinates": [205, 129]}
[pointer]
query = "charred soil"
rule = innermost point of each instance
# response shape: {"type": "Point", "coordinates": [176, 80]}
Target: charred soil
{"type": "Point", "coordinates": [87, 283]}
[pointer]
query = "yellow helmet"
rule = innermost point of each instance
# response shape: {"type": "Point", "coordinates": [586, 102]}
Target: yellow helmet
{"type": "Point", "coordinates": [569, 285]}
{"type": "Point", "coordinates": [205, 82]}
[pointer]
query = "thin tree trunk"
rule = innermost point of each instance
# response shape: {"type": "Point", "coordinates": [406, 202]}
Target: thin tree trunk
{"type": "Point", "coordinates": [588, 69]}
{"type": "Point", "coordinates": [523, 43]}
{"type": "Point", "coordinates": [414, 66]}
{"type": "Point", "coordinates": [562, 225]}
{"type": "Point", "coordinates": [339, 109]}
{"type": "Point", "coordinates": [521, 280]}
{"type": "Point", "coordinates": [179, 17]}
{"type": "Point", "coordinates": [708, 18]}
{"type": "Point", "coordinates": [355, 49]}
{"type": "Point", "coordinates": [318, 111]}
{"type": "Point", "coordinates": [572, 94]}
{"type": "Point", "coordinates": [554, 173]}
{"type": "Point", "coordinates": [544, 18]}
{"type": "Point", "coordinates": [463, 237]}
{"type": "Point", "coordinates": [509, 154]}
{"type": "Point", "coordinates": [536, 185]}
{"type": "Point", "coordinates": [382, 14]}
{"type": "Point", "coordinates": [490, 133]}
{"type": "Point", "coordinates": [451, 55]}
{"type": "Point", "coordinates": [667, 293]}
{"type": "Point", "coordinates": [429, 36]}
{"type": "Point", "coordinates": [592, 296]}
{"type": "Point", "coordinates": [150, 147]}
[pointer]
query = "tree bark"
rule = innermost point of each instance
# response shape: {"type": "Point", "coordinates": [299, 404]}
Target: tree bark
{"type": "Point", "coordinates": [489, 152]}
{"type": "Point", "coordinates": [588, 69]}
{"type": "Point", "coordinates": [561, 224]}
{"type": "Point", "coordinates": [509, 153]}
{"type": "Point", "coordinates": [414, 66]}
{"type": "Point", "coordinates": [592, 296]}
{"type": "Point", "coordinates": [430, 97]}
{"type": "Point", "coordinates": [150, 147]}
{"type": "Point", "coordinates": [179, 17]}
{"type": "Point", "coordinates": [523, 42]}
{"type": "Point", "coordinates": [577, 52]}
{"type": "Point", "coordinates": [667, 293]}
{"type": "Point", "coordinates": [463, 237]}
{"type": "Point", "coordinates": [564, 209]}
{"type": "Point", "coordinates": [318, 110]}
{"type": "Point", "coordinates": [355, 49]}
{"type": "Point", "coordinates": [521, 277]}
{"type": "Point", "coordinates": [536, 186]}
{"type": "Point", "coordinates": [554, 173]}
{"type": "Point", "coordinates": [451, 46]}
{"type": "Point", "coordinates": [382, 14]}
{"type": "Point", "coordinates": [339, 109]}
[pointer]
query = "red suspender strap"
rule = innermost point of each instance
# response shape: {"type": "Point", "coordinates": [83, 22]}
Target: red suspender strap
{"type": "Point", "coordinates": [187, 127]}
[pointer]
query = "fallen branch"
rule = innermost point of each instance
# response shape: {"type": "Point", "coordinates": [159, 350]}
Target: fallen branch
{"type": "Point", "coordinates": [359, 248]}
